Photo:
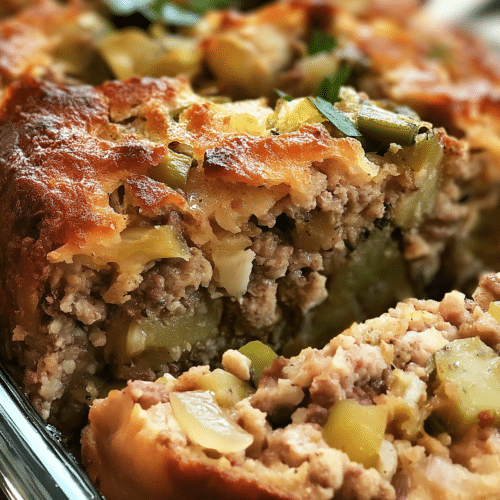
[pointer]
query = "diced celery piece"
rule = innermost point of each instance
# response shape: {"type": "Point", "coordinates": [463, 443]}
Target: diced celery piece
{"type": "Point", "coordinates": [373, 279]}
{"type": "Point", "coordinates": [468, 372]}
{"type": "Point", "coordinates": [356, 430]}
{"type": "Point", "coordinates": [171, 336]}
{"type": "Point", "coordinates": [204, 422]}
{"type": "Point", "coordinates": [316, 233]}
{"type": "Point", "coordinates": [424, 159]}
{"type": "Point", "coordinates": [386, 126]}
{"type": "Point", "coordinates": [261, 356]}
{"type": "Point", "coordinates": [173, 170]}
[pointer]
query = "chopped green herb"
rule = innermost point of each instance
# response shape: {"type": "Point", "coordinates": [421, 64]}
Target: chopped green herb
{"type": "Point", "coordinates": [283, 95]}
{"type": "Point", "coordinates": [327, 94]}
{"type": "Point", "coordinates": [320, 42]}
{"type": "Point", "coordinates": [202, 6]}
{"type": "Point", "coordinates": [330, 86]}
{"type": "Point", "coordinates": [337, 118]}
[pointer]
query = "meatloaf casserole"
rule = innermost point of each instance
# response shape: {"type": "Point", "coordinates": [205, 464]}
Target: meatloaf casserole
{"type": "Point", "coordinates": [450, 77]}
{"type": "Point", "coordinates": [147, 228]}
{"type": "Point", "coordinates": [404, 406]}
{"type": "Point", "coordinates": [394, 50]}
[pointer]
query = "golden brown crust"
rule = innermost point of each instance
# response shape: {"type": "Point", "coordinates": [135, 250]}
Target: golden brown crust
{"type": "Point", "coordinates": [66, 170]}
{"type": "Point", "coordinates": [28, 40]}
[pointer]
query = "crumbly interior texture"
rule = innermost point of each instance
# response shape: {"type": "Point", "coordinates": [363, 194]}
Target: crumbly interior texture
{"type": "Point", "coordinates": [150, 227]}
{"type": "Point", "coordinates": [108, 268]}
{"type": "Point", "coordinates": [143, 452]}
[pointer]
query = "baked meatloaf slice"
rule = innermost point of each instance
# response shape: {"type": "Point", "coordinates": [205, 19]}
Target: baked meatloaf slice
{"type": "Point", "coordinates": [146, 229]}
{"type": "Point", "coordinates": [395, 51]}
{"type": "Point", "coordinates": [404, 406]}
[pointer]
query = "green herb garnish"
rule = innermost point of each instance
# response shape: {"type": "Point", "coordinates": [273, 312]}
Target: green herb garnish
{"type": "Point", "coordinates": [330, 86]}
{"type": "Point", "coordinates": [283, 95]}
{"type": "Point", "coordinates": [335, 117]}
{"type": "Point", "coordinates": [320, 42]}
{"type": "Point", "coordinates": [203, 6]}
{"type": "Point", "coordinates": [126, 7]}
{"type": "Point", "coordinates": [328, 94]}
{"type": "Point", "coordinates": [167, 11]}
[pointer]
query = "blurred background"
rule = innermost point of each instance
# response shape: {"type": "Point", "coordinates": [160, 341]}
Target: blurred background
{"type": "Point", "coordinates": [479, 16]}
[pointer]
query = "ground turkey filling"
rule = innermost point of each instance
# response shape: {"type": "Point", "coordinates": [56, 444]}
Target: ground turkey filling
{"type": "Point", "coordinates": [385, 362]}
{"type": "Point", "coordinates": [284, 236]}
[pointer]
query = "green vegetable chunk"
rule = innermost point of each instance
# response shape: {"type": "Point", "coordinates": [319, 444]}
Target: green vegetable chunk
{"type": "Point", "coordinates": [468, 374]}
{"type": "Point", "coordinates": [387, 127]}
{"type": "Point", "coordinates": [356, 430]}
{"type": "Point", "coordinates": [260, 355]}
{"type": "Point", "coordinates": [173, 170]}
{"type": "Point", "coordinates": [424, 159]}
{"type": "Point", "coordinates": [170, 337]}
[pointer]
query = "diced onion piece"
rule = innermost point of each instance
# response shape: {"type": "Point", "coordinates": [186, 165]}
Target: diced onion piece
{"type": "Point", "coordinates": [407, 394]}
{"type": "Point", "coordinates": [204, 422]}
{"type": "Point", "coordinates": [233, 264]}
{"type": "Point", "coordinates": [261, 356]}
{"type": "Point", "coordinates": [494, 310]}
{"type": "Point", "coordinates": [356, 430]}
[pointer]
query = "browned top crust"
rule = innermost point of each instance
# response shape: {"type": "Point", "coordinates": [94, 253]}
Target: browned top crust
{"type": "Point", "coordinates": [29, 41]}
{"type": "Point", "coordinates": [59, 167]}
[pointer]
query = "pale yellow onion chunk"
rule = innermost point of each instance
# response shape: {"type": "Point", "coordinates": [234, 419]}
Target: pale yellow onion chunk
{"type": "Point", "coordinates": [202, 419]}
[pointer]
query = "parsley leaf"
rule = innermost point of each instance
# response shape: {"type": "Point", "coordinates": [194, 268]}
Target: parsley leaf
{"type": "Point", "coordinates": [320, 42]}
{"type": "Point", "coordinates": [335, 117]}
{"type": "Point", "coordinates": [330, 86]}
{"type": "Point", "coordinates": [327, 94]}
{"type": "Point", "coordinates": [202, 6]}
{"type": "Point", "coordinates": [283, 95]}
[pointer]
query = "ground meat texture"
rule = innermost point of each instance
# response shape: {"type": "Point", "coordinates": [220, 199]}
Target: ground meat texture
{"type": "Point", "coordinates": [290, 458]}
{"type": "Point", "coordinates": [264, 232]}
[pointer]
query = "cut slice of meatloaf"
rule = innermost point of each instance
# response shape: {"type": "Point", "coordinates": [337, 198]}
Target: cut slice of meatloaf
{"type": "Point", "coordinates": [147, 229]}
{"type": "Point", "coordinates": [403, 406]}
